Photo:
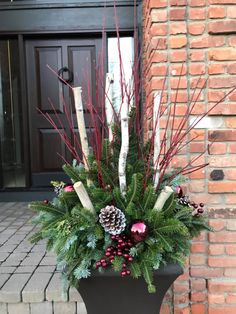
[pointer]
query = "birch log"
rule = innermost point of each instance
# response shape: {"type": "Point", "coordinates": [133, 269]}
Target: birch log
{"type": "Point", "coordinates": [157, 141]}
{"type": "Point", "coordinates": [77, 91]}
{"type": "Point", "coordinates": [163, 197]}
{"type": "Point", "coordinates": [108, 104]}
{"type": "Point", "coordinates": [83, 196]}
{"type": "Point", "coordinates": [124, 113]}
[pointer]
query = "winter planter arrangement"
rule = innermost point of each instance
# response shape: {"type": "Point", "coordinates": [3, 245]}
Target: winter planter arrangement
{"type": "Point", "coordinates": [124, 219]}
{"type": "Point", "coordinates": [122, 225]}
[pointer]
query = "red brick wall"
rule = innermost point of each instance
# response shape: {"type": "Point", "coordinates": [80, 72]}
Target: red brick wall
{"type": "Point", "coordinates": [201, 35]}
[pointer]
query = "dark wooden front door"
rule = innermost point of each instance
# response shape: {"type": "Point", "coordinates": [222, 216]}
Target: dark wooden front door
{"type": "Point", "coordinates": [47, 151]}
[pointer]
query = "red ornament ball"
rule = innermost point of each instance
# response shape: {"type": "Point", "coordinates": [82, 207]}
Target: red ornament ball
{"type": "Point", "coordinates": [179, 191]}
{"type": "Point", "coordinates": [46, 202]}
{"type": "Point", "coordinates": [138, 231]}
{"type": "Point", "coordinates": [69, 188]}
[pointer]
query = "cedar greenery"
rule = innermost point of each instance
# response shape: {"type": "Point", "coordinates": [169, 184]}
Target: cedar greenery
{"type": "Point", "coordinates": [75, 235]}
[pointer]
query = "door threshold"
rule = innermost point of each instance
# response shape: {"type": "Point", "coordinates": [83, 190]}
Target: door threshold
{"type": "Point", "coordinates": [26, 196]}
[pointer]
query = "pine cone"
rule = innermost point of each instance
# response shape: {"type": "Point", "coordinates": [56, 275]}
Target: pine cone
{"type": "Point", "coordinates": [58, 186]}
{"type": "Point", "coordinates": [112, 220]}
{"type": "Point", "coordinates": [184, 200]}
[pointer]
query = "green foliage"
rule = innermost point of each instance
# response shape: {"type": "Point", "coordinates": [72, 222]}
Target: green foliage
{"type": "Point", "coordinates": [149, 198]}
{"type": "Point", "coordinates": [148, 276]}
{"type": "Point", "coordinates": [136, 270]}
{"type": "Point", "coordinates": [169, 205]}
{"type": "Point", "coordinates": [99, 197]}
{"type": "Point", "coordinates": [76, 236]}
{"type": "Point", "coordinates": [135, 189]}
{"type": "Point", "coordinates": [49, 208]}
{"type": "Point", "coordinates": [117, 263]}
{"type": "Point", "coordinates": [72, 172]}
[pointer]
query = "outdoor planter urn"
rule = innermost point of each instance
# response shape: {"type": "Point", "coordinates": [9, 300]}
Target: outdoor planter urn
{"type": "Point", "coordinates": [109, 293]}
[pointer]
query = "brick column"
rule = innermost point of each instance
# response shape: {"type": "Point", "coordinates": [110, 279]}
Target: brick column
{"type": "Point", "coordinates": [199, 37]}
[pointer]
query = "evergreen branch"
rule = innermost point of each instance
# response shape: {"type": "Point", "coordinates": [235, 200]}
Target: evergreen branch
{"type": "Point", "coordinates": [120, 202]}
{"type": "Point", "coordinates": [117, 263]}
{"type": "Point", "coordinates": [171, 226]}
{"type": "Point", "coordinates": [36, 237]}
{"type": "Point", "coordinates": [72, 173]}
{"type": "Point", "coordinates": [132, 211]}
{"type": "Point", "coordinates": [49, 208]}
{"type": "Point", "coordinates": [184, 214]}
{"type": "Point", "coordinates": [169, 205]}
{"type": "Point", "coordinates": [135, 189]}
{"type": "Point", "coordinates": [148, 276]}
{"type": "Point", "coordinates": [149, 198]}
{"type": "Point", "coordinates": [167, 246]}
{"type": "Point", "coordinates": [135, 270]}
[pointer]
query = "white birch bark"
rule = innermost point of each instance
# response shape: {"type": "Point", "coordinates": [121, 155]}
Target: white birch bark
{"type": "Point", "coordinates": [163, 197]}
{"type": "Point", "coordinates": [108, 104]}
{"type": "Point", "coordinates": [83, 196]}
{"type": "Point", "coordinates": [157, 141]}
{"type": "Point", "coordinates": [124, 113]}
{"type": "Point", "coordinates": [77, 91]}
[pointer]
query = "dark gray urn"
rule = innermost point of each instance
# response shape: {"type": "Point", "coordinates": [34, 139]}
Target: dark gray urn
{"type": "Point", "coordinates": [109, 293]}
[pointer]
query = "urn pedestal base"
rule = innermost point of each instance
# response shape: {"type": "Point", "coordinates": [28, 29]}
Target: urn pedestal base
{"type": "Point", "coordinates": [108, 293]}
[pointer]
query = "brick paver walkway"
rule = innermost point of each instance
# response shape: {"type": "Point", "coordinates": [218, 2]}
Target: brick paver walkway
{"type": "Point", "coordinates": [29, 281]}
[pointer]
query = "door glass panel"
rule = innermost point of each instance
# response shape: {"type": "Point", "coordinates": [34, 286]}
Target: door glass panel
{"type": "Point", "coordinates": [127, 57]}
{"type": "Point", "coordinates": [11, 137]}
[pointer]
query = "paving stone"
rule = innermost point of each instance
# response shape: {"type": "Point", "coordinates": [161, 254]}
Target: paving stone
{"type": "Point", "coordinates": [50, 260]}
{"type": "Point", "coordinates": [54, 289]}
{"type": "Point", "coordinates": [32, 259]}
{"type": "Point", "coordinates": [8, 232]}
{"type": "Point", "coordinates": [7, 270]}
{"type": "Point", "coordinates": [3, 279]}
{"type": "Point", "coordinates": [4, 206]}
{"type": "Point", "coordinates": [11, 291]}
{"type": "Point", "coordinates": [7, 248]}
{"type": "Point", "coordinates": [45, 269]}
{"type": "Point", "coordinates": [3, 256]}
{"type": "Point", "coordinates": [17, 256]}
{"type": "Point", "coordinates": [10, 219]}
{"type": "Point", "coordinates": [16, 239]}
{"type": "Point", "coordinates": [3, 308]}
{"type": "Point", "coordinates": [81, 308]}
{"type": "Point", "coordinates": [11, 262]}
{"type": "Point", "coordinates": [41, 308]}
{"type": "Point", "coordinates": [24, 248]}
{"type": "Point", "coordinates": [64, 308]}
{"type": "Point", "coordinates": [3, 240]}
{"type": "Point", "coordinates": [18, 308]}
{"type": "Point", "coordinates": [74, 295]}
{"type": "Point", "coordinates": [27, 228]}
{"type": "Point", "coordinates": [50, 254]}
{"type": "Point", "coordinates": [34, 290]}
{"type": "Point", "coordinates": [25, 269]}
{"type": "Point", "coordinates": [39, 248]}
{"type": "Point", "coordinates": [5, 224]}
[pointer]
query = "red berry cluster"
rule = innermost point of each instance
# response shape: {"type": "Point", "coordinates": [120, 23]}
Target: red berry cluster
{"type": "Point", "coordinates": [198, 208]}
{"type": "Point", "coordinates": [121, 248]}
